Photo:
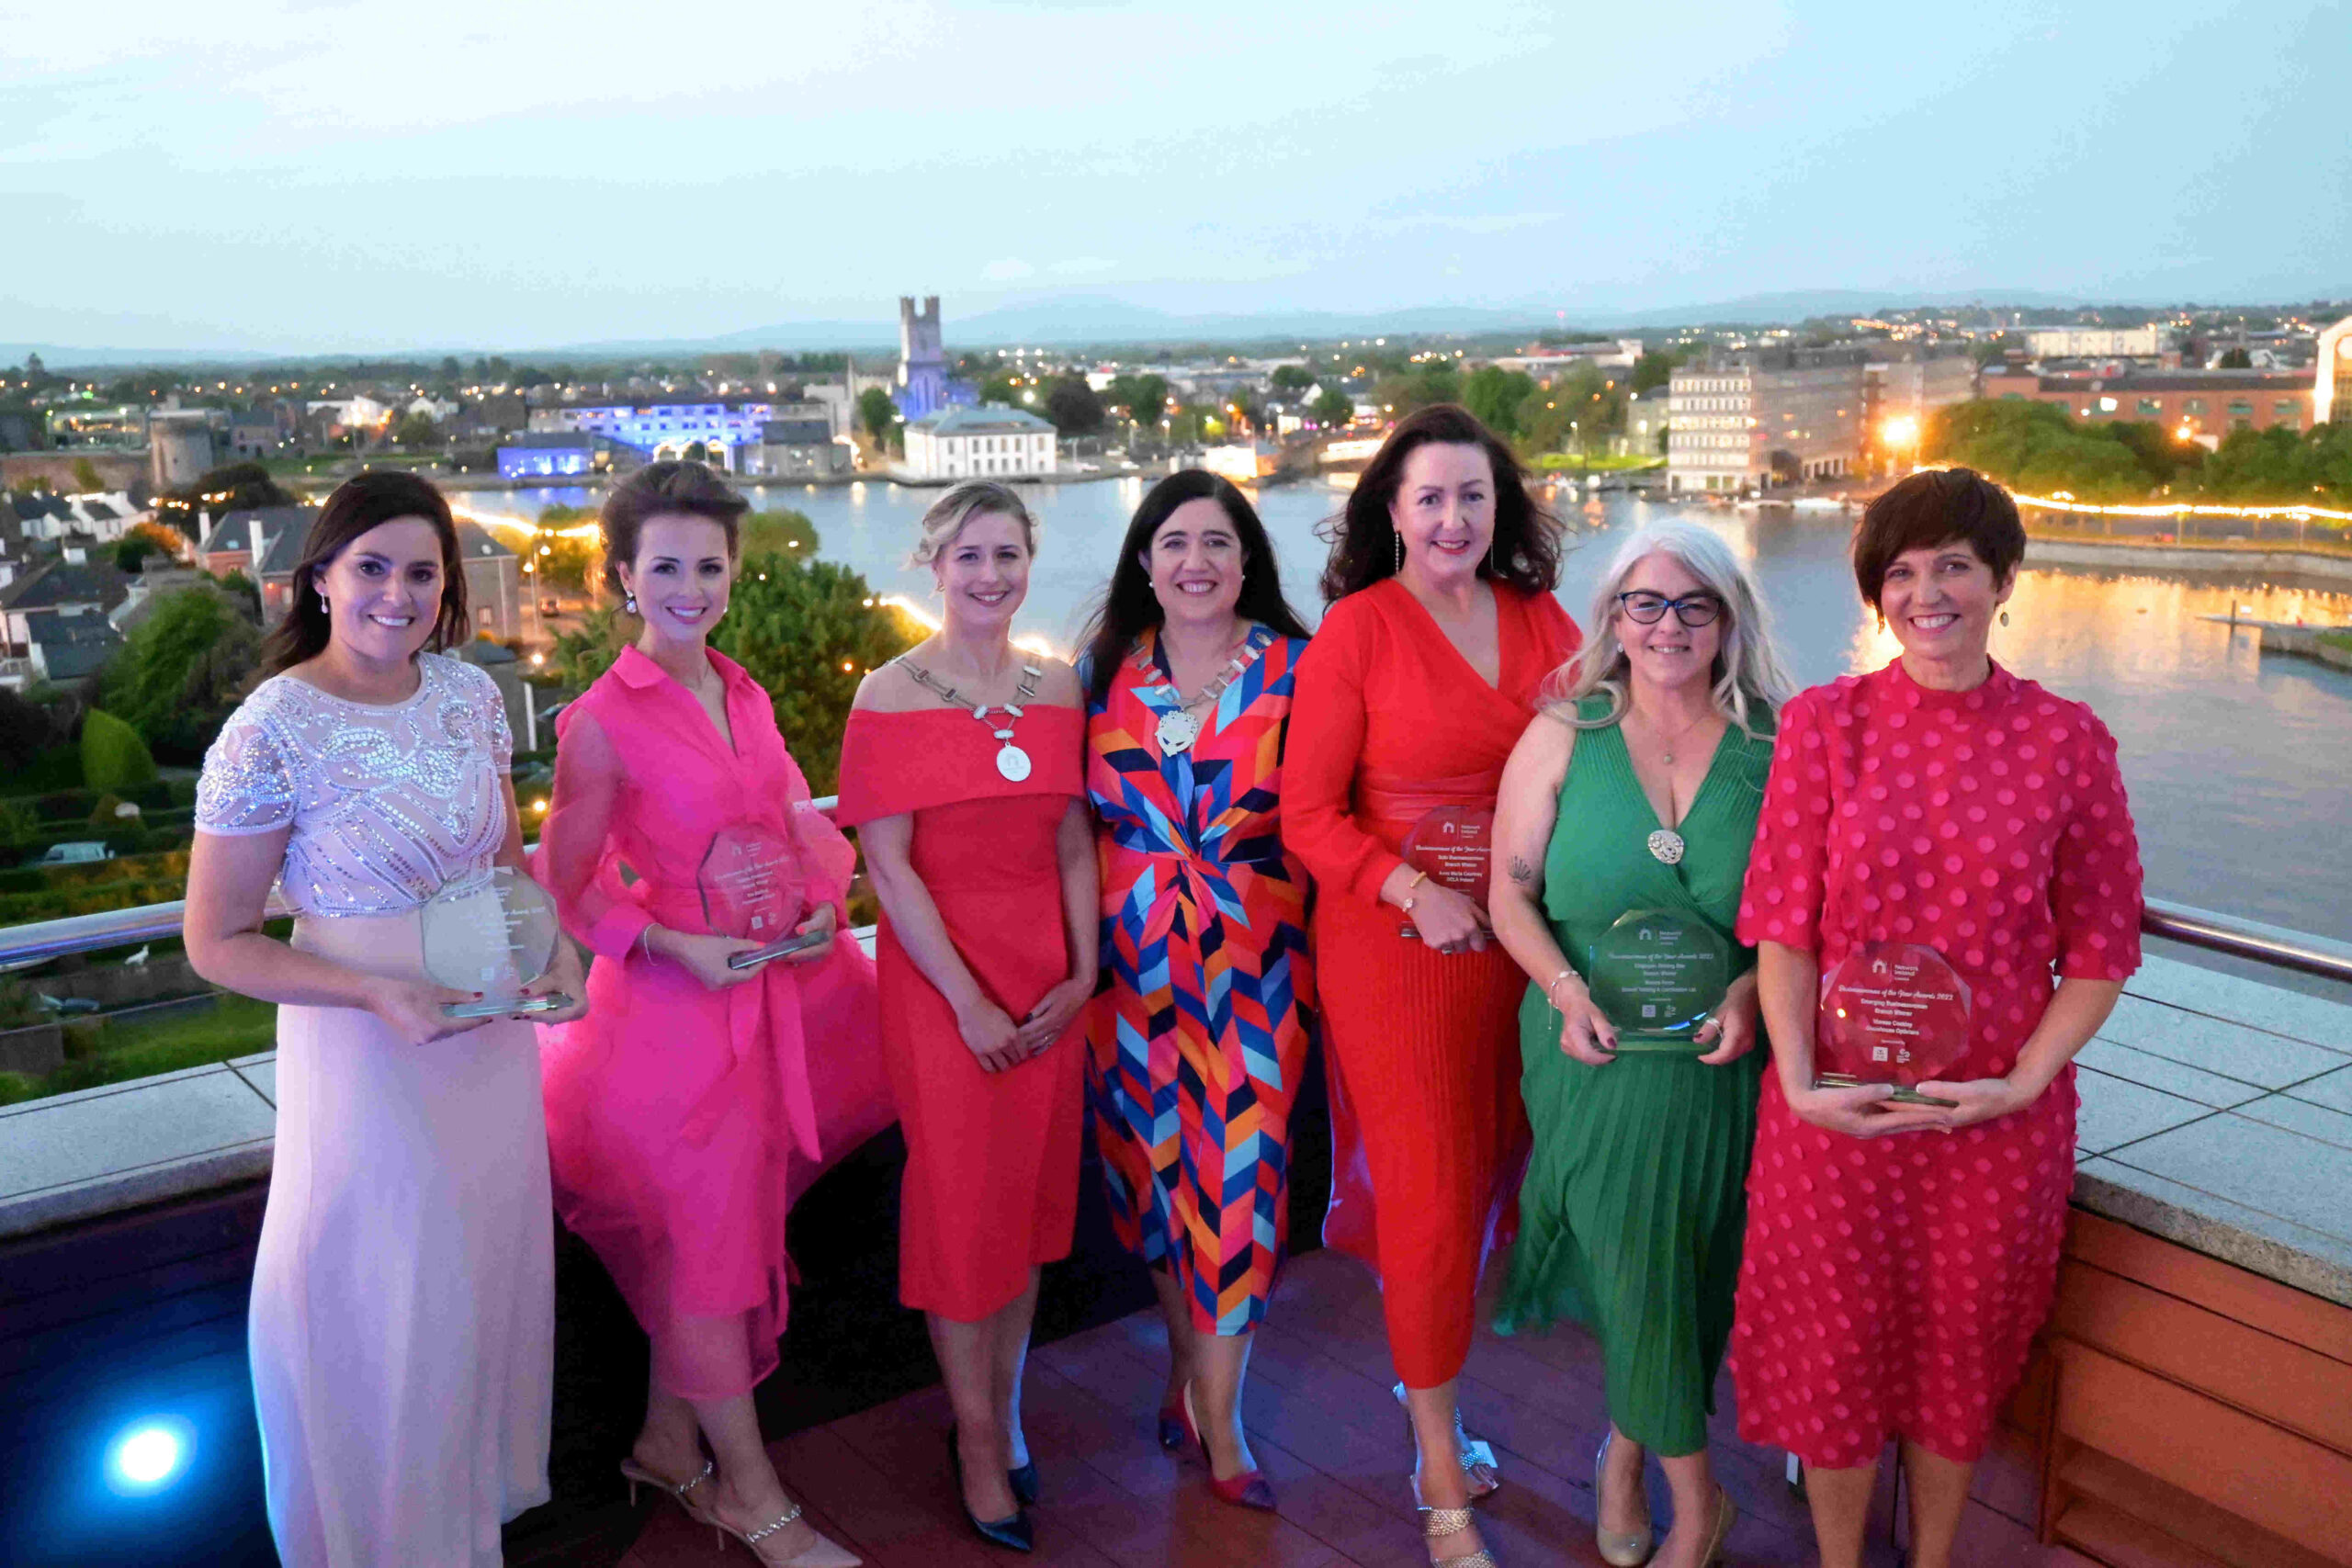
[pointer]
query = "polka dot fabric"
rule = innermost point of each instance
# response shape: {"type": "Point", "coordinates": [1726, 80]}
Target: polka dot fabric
{"type": "Point", "coordinates": [1893, 1285]}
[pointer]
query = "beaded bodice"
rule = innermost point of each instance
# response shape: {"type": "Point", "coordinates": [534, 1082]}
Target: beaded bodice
{"type": "Point", "coordinates": [387, 804]}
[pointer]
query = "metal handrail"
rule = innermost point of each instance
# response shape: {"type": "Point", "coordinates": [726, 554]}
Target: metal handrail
{"type": "Point", "coordinates": [2239, 938]}
{"type": "Point", "coordinates": [40, 939]}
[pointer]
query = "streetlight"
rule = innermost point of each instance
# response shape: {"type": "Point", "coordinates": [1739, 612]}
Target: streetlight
{"type": "Point", "coordinates": [1898, 433]}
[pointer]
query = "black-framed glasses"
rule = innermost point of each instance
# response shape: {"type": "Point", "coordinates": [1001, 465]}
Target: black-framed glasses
{"type": "Point", "coordinates": [1692, 609]}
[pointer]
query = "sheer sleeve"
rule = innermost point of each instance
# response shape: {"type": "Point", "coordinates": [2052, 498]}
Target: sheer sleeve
{"type": "Point", "coordinates": [2095, 892]}
{"type": "Point", "coordinates": [1788, 866]}
{"type": "Point", "coordinates": [575, 859]}
{"type": "Point", "coordinates": [1323, 744]}
{"type": "Point", "coordinates": [248, 783]}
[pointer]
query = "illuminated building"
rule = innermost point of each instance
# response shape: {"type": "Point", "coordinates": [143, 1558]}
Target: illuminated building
{"type": "Point", "coordinates": [988, 442]}
{"type": "Point", "coordinates": [1771, 418]}
{"type": "Point", "coordinates": [924, 388]}
{"type": "Point", "coordinates": [2201, 405]}
{"type": "Point", "coordinates": [2332, 381]}
{"type": "Point", "coordinates": [2102, 342]}
{"type": "Point", "coordinates": [657, 432]}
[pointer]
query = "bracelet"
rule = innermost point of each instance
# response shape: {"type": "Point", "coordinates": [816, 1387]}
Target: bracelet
{"type": "Point", "coordinates": [1554, 981]}
{"type": "Point", "coordinates": [1406, 903]}
{"type": "Point", "coordinates": [645, 940]}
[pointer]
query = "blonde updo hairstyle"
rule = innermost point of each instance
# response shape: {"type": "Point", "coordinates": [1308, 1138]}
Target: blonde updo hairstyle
{"type": "Point", "coordinates": [1749, 673]}
{"type": "Point", "coordinates": [946, 517]}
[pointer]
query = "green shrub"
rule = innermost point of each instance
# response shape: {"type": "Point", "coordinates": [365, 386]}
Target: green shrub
{"type": "Point", "coordinates": [113, 757]}
{"type": "Point", "coordinates": [58, 768]}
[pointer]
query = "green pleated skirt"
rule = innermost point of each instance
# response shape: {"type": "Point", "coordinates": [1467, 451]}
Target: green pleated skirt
{"type": "Point", "coordinates": [1631, 1218]}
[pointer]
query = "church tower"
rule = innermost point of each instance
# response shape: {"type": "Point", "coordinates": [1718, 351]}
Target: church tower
{"type": "Point", "coordinates": [923, 363]}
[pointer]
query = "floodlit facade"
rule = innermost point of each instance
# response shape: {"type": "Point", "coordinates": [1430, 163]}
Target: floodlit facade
{"type": "Point", "coordinates": [990, 443]}
{"type": "Point", "coordinates": [1736, 428]}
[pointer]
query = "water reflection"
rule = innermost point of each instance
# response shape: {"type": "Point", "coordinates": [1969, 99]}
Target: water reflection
{"type": "Point", "coordinates": [2239, 763]}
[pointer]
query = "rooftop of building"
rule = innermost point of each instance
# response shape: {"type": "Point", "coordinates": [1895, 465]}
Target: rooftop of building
{"type": "Point", "coordinates": [987, 419]}
{"type": "Point", "coordinates": [2155, 381]}
{"type": "Point", "coordinates": [62, 583]}
{"type": "Point", "coordinates": [72, 647]}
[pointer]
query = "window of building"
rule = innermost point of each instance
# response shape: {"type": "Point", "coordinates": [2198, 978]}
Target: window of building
{"type": "Point", "coordinates": [2151, 408]}
{"type": "Point", "coordinates": [2107, 405]}
{"type": "Point", "coordinates": [2286, 408]}
{"type": "Point", "coordinates": [2194, 405]}
{"type": "Point", "coordinates": [2242, 405]}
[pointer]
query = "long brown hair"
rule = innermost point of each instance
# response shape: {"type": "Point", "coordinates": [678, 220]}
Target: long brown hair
{"type": "Point", "coordinates": [364, 502]}
{"type": "Point", "coordinates": [1526, 551]}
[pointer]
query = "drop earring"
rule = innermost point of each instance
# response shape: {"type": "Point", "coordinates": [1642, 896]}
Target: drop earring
{"type": "Point", "coordinates": [629, 604]}
{"type": "Point", "coordinates": [1400, 549]}
{"type": "Point", "coordinates": [325, 607]}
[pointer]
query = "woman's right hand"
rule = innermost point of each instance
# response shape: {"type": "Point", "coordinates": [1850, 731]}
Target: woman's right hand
{"type": "Point", "coordinates": [412, 1009]}
{"type": "Point", "coordinates": [1448, 920]}
{"type": "Point", "coordinates": [990, 1034]}
{"type": "Point", "coordinates": [1864, 1111]}
{"type": "Point", "coordinates": [704, 958]}
{"type": "Point", "coordinates": [1586, 1032]}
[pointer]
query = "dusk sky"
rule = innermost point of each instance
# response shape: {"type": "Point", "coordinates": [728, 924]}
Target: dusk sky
{"type": "Point", "coordinates": [283, 176]}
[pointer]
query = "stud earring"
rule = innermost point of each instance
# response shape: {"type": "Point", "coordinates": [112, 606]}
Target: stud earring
{"type": "Point", "coordinates": [1400, 551]}
{"type": "Point", "coordinates": [2004, 618]}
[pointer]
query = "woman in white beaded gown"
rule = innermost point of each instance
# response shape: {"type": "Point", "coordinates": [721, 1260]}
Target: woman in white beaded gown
{"type": "Point", "coordinates": [404, 1312]}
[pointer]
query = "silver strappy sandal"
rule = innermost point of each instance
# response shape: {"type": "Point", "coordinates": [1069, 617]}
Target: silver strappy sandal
{"type": "Point", "coordinates": [637, 1475]}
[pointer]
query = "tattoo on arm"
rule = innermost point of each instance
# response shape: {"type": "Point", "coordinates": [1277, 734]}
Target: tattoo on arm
{"type": "Point", "coordinates": [1521, 872]}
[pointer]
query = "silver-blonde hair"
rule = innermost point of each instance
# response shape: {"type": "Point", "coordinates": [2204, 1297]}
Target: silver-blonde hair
{"type": "Point", "coordinates": [946, 516]}
{"type": "Point", "coordinates": [1749, 672]}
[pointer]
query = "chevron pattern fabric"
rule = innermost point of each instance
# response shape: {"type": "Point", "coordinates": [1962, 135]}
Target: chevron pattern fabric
{"type": "Point", "coordinates": [1201, 1028]}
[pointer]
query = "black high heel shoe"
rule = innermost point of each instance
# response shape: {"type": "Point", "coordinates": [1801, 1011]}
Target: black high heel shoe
{"type": "Point", "coordinates": [1014, 1532]}
{"type": "Point", "coordinates": [1024, 1482]}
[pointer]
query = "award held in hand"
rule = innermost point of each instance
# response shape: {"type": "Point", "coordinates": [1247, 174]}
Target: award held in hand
{"type": "Point", "coordinates": [1455, 846]}
{"type": "Point", "coordinates": [752, 889]}
{"type": "Point", "coordinates": [496, 934]}
{"type": "Point", "coordinates": [1658, 976]}
{"type": "Point", "coordinates": [1892, 1013]}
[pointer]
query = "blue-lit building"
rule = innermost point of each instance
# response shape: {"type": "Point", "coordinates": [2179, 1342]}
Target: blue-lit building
{"type": "Point", "coordinates": [659, 430]}
{"type": "Point", "coordinates": [552, 454]}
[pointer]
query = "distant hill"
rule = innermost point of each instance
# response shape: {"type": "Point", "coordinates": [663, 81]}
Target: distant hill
{"type": "Point", "coordinates": [1076, 320]}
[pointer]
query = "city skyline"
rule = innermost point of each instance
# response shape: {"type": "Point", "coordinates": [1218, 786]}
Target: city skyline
{"type": "Point", "coordinates": [327, 182]}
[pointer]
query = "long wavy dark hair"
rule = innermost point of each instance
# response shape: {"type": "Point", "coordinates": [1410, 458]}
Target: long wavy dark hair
{"type": "Point", "coordinates": [1526, 551]}
{"type": "Point", "coordinates": [1128, 607]}
{"type": "Point", "coordinates": [364, 502]}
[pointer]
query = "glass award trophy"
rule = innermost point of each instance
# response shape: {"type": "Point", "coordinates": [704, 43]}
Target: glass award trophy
{"type": "Point", "coordinates": [1658, 976]}
{"type": "Point", "coordinates": [495, 933]}
{"type": "Point", "coordinates": [1892, 1013]}
{"type": "Point", "coordinates": [752, 890]}
{"type": "Point", "coordinates": [1454, 845]}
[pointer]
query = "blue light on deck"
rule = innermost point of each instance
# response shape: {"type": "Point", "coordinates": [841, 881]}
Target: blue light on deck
{"type": "Point", "coordinates": [149, 1455]}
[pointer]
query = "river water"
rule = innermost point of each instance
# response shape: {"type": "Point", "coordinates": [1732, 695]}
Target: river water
{"type": "Point", "coordinates": [2239, 765]}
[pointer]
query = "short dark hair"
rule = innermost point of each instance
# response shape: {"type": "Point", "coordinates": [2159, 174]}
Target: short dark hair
{"type": "Point", "coordinates": [663, 489]}
{"type": "Point", "coordinates": [1527, 536]}
{"type": "Point", "coordinates": [363, 502]}
{"type": "Point", "coordinates": [1938, 507]}
{"type": "Point", "coordinates": [1129, 605]}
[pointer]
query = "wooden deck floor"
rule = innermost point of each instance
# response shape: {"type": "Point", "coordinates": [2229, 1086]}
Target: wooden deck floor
{"type": "Point", "coordinates": [1327, 1432]}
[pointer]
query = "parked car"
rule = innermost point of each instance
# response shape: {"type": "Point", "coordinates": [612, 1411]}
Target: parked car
{"type": "Point", "coordinates": [76, 853]}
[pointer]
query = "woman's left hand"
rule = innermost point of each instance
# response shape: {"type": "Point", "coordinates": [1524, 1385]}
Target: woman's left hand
{"type": "Point", "coordinates": [1978, 1099]}
{"type": "Point", "coordinates": [564, 976]}
{"type": "Point", "coordinates": [1052, 1015]}
{"type": "Point", "coordinates": [1733, 1030]}
{"type": "Point", "coordinates": [825, 920]}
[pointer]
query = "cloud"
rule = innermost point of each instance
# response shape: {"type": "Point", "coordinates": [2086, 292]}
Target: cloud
{"type": "Point", "coordinates": [1082, 266]}
{"type": "Point", "coordinates": [1013, 269]}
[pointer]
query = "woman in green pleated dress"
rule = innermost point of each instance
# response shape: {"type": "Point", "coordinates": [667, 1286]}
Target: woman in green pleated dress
{"type": "Point", "coordinates": [1637, 788]}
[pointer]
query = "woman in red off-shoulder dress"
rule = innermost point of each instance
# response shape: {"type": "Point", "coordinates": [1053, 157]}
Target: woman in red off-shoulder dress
{"type": "Point", "coordinates": [963, 768]}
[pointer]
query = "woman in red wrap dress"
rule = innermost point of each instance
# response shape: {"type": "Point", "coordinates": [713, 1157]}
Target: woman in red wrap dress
{"type": "Point", "coordinates": [1419, 681]}
{"type": "Point", "coordinates": [1900, 1257]}
{"type": "Point", "coordinates": [694, 1099]}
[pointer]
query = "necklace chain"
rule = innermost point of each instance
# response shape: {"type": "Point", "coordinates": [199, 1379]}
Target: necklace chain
{"type": "Point", "coordinates": [1225, 677]}
{"type": "Point", "coordinates": [1030, 676]}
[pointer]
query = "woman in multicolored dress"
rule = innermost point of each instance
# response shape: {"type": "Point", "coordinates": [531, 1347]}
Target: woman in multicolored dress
{"type": "Point", "coordinates": [1200, 1031]}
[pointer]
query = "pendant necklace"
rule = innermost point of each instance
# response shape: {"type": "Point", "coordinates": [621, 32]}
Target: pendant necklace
{"type": "Point", "coordinates": [1666, 845]}
{"type": "Point", "coordinates": [1011, 760]}
{"type": "Point", "coordinates": [1180, 727]}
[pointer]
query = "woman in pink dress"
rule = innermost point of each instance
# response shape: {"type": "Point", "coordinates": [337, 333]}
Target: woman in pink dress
{"type": "Point", "coordinates": [1901, 1257]}
{"type": "Point", "coordinates": [684, 1109]}
{"type": "Point", "coordinates": [403, 1295]}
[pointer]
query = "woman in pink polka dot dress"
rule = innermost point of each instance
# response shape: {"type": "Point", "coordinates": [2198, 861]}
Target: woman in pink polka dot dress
{"type": "Point", "coordinates": [1900, 1257]}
